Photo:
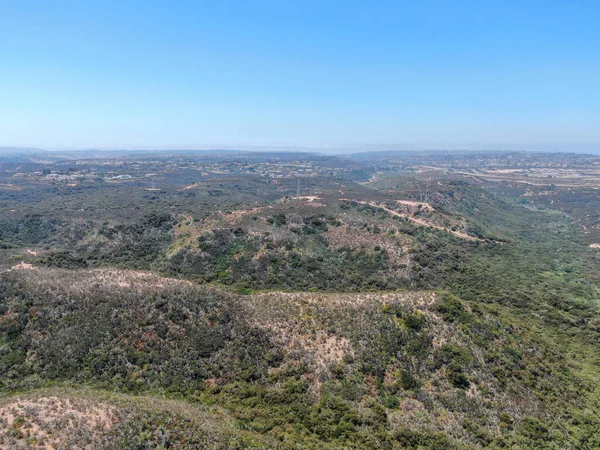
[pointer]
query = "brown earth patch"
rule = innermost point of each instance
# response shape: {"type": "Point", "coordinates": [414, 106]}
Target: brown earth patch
{"type": "Point", "coordinates": [53, 422]}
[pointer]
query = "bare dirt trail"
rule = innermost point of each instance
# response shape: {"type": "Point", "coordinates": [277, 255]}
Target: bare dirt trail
{"type": "Point", "coordinates": [419, 221]}
{"type": "Point", "coordinates": [426, 206]}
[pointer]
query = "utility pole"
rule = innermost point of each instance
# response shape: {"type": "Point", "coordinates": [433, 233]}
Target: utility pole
{"type": "Point", "coordinates": [298, 187]}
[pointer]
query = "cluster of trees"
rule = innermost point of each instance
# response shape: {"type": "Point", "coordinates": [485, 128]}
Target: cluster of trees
{"type": "Point", "coordinates": [297, 258]}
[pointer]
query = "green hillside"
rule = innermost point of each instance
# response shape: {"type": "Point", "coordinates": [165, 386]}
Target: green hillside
{"type": "Point", "coordinates": [407, 312]}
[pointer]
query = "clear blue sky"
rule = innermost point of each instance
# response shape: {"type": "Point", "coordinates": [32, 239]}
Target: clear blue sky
{"type": "Point", "coordinates": [410, 74]}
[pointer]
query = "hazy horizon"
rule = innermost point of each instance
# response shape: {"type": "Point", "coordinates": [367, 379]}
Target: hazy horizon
{"type": "Point", "coordinates": [319, 150]}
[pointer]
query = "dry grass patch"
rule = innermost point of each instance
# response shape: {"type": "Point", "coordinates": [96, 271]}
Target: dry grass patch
{"type": "Point", "coordinates": [77, 281]}
{"type": "Point", "coordinates": [61, 418]}
{"type": "Point", "coordinates": [349, 236]}
{"type": "Point", "coordinates": [300, 322]}
{"type": "Point", "coordinates": [54, 422]}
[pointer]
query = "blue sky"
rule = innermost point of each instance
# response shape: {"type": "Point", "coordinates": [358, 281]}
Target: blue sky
{"type": "Point", "coordinates": [325, 74]}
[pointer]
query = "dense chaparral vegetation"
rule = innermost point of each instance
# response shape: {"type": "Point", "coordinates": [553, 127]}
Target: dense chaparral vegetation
{"type": "Point", "coordinates": [229, 301]}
